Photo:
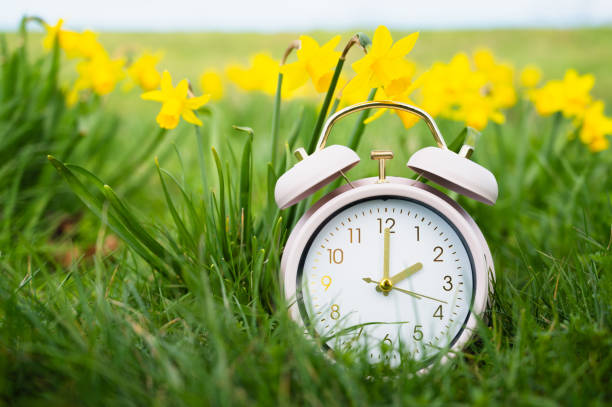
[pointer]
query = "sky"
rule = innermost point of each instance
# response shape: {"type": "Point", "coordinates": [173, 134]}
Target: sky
{"type": "Point", "coordinates": [290, 15]}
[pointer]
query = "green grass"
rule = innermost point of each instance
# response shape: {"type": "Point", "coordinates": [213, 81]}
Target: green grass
{"type": "Point", "coordinates": [187, 310]}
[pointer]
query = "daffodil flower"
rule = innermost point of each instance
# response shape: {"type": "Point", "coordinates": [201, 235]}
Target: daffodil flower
{"type": "Point", "coordinates": [570, 95]}
{"type": "Point", "coordinates": [211, 83]}
{"type": "Point", "coordinates": [595, 127]}
{"type": "Point", "coordinates": [100, 74]}
{"type": "Point", "coordinates": [314, 62]}
{"type": "Point", "coordinates": [530, 76]}
{"type": "Point", "coordinates": [385, 66]}
{"type": "Point", "coordinates": [261, 75]}
{"type": "Point", "coordinates": [175, 103]}
{"type": "Point", "coordinates": [144, 73]}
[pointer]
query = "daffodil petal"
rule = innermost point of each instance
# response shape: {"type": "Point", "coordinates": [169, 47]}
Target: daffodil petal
{"type": "Point", "coordinates": [182, 88]}
{"type": "Point", "coordinates": [294, 75]}
{"type": "Point", "coordinates": [375, 116]}
{"type": "Point", "coordinates": [190, 117]}
{"type": "Point", "coordinates": [166, 82]}
{"type": "Point", "coordinates": [404, 46]}
{"type": "Point", "coordinates": [197, 102]}
{"type": "Point", "coordinates": [382, 41]}
{"type": "Point", "coordinates": [332, 44]}
{"type": "Point", "coordinates": [155, 95]}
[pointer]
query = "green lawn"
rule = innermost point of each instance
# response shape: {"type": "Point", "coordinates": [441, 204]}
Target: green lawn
{"type": "Point", "coordinates": [164, 289]}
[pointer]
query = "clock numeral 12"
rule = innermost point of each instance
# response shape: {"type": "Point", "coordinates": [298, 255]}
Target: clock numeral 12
{"type": "Point", "coordinates": [357, 234]}
{"type": "Point", "coordinates": [389, 223]}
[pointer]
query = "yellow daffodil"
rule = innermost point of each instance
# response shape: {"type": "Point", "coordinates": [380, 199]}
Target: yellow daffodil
{"type": "Point", "coordinates": [143, 72]}
{"type": "Point", "coordinates": [211, 83]}
{"type": "Point", "coordinates": [53, 31]}
{"type": "Point", "coordinates": [595, 127]}
{"type": "Point", "coordinates": [474, 94]}
{"type": "Point", "coordinates": [314, 62]}
{"type": "Point", "coordinates": [100, 74]}
{"type": "Point", "coordinates": [576, 92]}
{"type": "Point", "coordinates": [261, 75]}
{"type": "Point", "coordinates": [74, 44]}
{"type": "Point", "coordinates": [530, 76]}
{"type": "Point", "coordinates": [570, 95]}
{"type": "Point", "coordinates": [175, 103]}
{"type": "Point", "coordinates": [499, 79]}
{"type": "Point", "coordinates": [385, 65]}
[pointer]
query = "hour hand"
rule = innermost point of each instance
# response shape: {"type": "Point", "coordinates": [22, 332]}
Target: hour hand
{"type": "Point", "coordinates": [406, 273]}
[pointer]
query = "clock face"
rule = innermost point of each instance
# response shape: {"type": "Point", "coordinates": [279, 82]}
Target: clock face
{"type": "Point", "coordinates": [387, 274]}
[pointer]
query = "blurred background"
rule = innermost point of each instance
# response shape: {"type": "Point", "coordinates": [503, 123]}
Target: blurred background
{"type": "Point", "coordinates": [276, 16]}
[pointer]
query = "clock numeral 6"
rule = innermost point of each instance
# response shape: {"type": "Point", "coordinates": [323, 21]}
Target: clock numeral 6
{"type": "Point", "coordinates": [335, 311]}
{"type": "Point", "coordinates": [438, 250]}
{"type": "Point", "coordinates": [335, 256]}
{"type": "Point", "coordinates": [418, 333]}
{"type": "Point", "coordinates": [389, 223]}
{"type": "Point", "coordinates": [326, 281]}
{"type": "Point", "coordinates": [356, 233]}
{"type": "Point", "coordinates": [388, 340]}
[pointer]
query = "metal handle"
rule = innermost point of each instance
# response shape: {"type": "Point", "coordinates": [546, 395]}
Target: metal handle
{"type": "Point", "coordinates": [386, 104]}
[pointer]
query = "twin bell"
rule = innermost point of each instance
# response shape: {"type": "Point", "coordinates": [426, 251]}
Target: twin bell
{"type": "Point", "coordinates": [440, 165]}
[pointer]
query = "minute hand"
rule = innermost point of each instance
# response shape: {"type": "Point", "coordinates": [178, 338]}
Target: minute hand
{"type": "Point", "coordinates": [406, 273]}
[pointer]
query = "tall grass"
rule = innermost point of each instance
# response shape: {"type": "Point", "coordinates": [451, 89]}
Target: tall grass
{"type": "Point", "coordinates": [187, 311]}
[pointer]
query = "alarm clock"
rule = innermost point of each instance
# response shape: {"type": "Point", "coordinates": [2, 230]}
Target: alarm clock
{"type": "Point", "coordinates": [388, 265]}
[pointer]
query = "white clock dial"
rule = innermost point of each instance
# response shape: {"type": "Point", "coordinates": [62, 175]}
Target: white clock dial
{"type": "Point", "coordinates": [430, 269]}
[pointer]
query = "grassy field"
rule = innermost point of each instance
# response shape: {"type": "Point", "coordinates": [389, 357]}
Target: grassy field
{"type": "Point", "coordinates": [159, 293]}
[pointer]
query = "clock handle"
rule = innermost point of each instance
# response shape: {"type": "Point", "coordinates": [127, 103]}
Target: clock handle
{"type": "Point", "coordinates": [385, 104]}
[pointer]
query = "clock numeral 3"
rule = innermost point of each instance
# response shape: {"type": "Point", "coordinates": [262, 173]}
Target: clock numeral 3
{"type": "Point", "coordinates": [449, 283]}
{"type": "Point", "coordinates": [335, 256]}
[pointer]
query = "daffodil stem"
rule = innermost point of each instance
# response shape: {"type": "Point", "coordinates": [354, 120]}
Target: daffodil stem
{"type": "Point", "coordinates": [360, 125]}
{"type": "Point", "coordinates": [135, 164]}
{"type": "Point", "coordinates": [201, 161]}
{"type": "Point", "coordinates": [325, 107]}
{"type": "Point", "coordinates": [553, 133]}
{"type": "Point", "coordinates": [334, 107]}
{"type": "Point", "coordinates": [276, 117]}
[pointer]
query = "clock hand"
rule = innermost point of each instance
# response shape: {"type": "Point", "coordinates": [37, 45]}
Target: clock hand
{"type": "Point", "coordinates": [369, 280]}
{"type": "Point", "coordinates": [411, 293]}
{"type": "Point", "coordinates": [385, 284]}
{"type": "Point", "coordinates": [420, 295]}
{"type": "Point", "coordinates": [406, 273]}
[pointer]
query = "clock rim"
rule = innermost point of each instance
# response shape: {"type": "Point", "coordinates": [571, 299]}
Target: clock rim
{"type": "Point", "coordinates": [369, 188]}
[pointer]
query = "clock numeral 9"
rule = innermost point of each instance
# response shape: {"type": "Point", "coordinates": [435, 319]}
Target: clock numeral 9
{"type": "Point", "coordinates": [449, 283]}
{"type": "Point", "coordinates": [389, 224]}
{"type": "Point", "coordinates": [438, 250]}
{"type": "Point", "coordinates": [418, 334]}
{"type": "Point", "coordinates": [335, 311]}
{"type": "Point", "coordinates": [357, 234]}
{"type": "Point", "coordinates": [326, 281]}
{"type": "Point", "coordinates": [438, 312]}
{"type": "Point", "coordinates": [335, 256]}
